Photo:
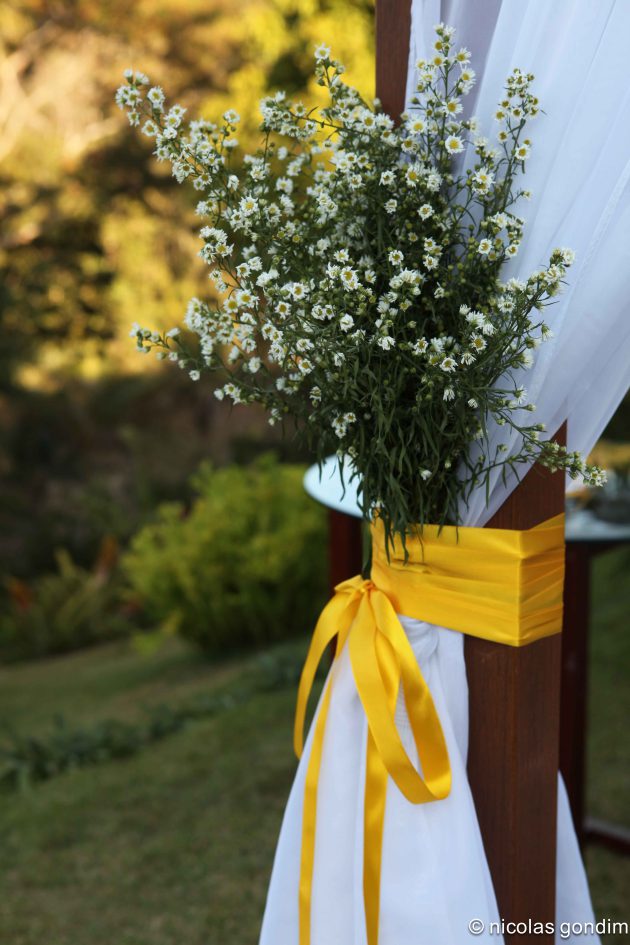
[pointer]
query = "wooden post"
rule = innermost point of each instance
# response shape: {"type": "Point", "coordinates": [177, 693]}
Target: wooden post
{"type": "Point", "coordinates": [344, 547]}
{"type": "Point", "coordinates": [514, 699]}
{"type": "Point", "coordinates": [514, 693]}
{"type": "Point", "coordinates": [393, 30]}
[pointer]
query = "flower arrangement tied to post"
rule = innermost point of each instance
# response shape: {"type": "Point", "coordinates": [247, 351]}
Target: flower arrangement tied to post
{"type": "Point", "coordinates": [361, 290]}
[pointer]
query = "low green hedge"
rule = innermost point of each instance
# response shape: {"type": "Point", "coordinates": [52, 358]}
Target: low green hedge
{"type": "Point", "coordinates": [245, 565]}
{"type": "Point", "coordinates": [28, 759]}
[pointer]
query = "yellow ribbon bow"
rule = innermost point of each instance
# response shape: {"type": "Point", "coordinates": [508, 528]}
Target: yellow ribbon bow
{"type": "Point", "coordinates": [382, 659]}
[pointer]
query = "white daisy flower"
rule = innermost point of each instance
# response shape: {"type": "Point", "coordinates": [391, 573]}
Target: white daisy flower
{"type": "Point", "coordinates": [483, 179]}
{"type": "Point", "coordinates": [413, 175]}
{"type": "Point", "coordinates": [349, 278]}
{"type": "Point", "coordinates": [454, 144]}
{"type": "Point", "coordinates": [453, 106]}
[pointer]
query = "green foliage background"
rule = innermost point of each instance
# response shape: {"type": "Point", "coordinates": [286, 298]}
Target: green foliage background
{"type": "Point", "coordinates": [245, 567]}
{"type": "Point", "coordinates": [94, 233]}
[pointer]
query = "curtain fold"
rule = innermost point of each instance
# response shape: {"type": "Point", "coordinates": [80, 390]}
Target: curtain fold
{"type": "Point", "coordinates": [579, 175]}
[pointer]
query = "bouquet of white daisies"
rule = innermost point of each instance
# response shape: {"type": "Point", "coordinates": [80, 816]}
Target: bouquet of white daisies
{"type": "Point", "coordinates": [357, 268]}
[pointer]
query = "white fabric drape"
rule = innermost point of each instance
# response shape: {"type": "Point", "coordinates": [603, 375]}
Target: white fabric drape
{"type": "Point", "coordinates": [435, 877]}
{"type": "Point", "coordinates": [579, 174]}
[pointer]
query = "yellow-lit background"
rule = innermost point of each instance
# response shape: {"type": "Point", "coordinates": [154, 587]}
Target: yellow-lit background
{"type": "Point", "coordinates": [95, 235]}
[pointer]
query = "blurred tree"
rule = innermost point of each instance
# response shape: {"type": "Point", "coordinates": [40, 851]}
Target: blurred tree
{"type": "Point", "coordinates": [94, 233]}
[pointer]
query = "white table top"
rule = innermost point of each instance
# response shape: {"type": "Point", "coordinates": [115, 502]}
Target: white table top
{"type": "Point", "coordinates": [327, 488]}
{"type": "Point", "coordinates": [581, 524]}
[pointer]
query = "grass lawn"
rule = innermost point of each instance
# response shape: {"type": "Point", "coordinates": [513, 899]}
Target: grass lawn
{"type": "Point", "coordinates": [171, 846]}
{"type": "Point", "coordinates": [174, 845]}
{"type": "Point", "coordinates": [115, 680]}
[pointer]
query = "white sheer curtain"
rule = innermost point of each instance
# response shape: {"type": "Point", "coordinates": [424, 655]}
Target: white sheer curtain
{"type": "Point", "coordinates": [579, 174]}
{"type": "Point", "coordinates": [435, 877]}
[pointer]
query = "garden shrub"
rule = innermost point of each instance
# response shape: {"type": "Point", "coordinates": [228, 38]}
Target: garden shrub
{"type": "Point", "coordinates": [63, 611]}
{"type": "Point", "coordinates": [245, 565]}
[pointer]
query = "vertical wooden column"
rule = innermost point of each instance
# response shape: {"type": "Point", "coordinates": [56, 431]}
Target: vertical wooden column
{"type": "Point", "coordinates": [344, 547]}
{"type": "Point", "coordinates": [514, 699]}
{"type": "Point", "coordinates": [514, 693]}
{"type": "Point", "coordinates": [393, 30]}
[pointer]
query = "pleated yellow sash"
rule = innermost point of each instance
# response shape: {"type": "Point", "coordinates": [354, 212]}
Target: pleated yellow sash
{"type": "Point", "coordinates": [499, 584]}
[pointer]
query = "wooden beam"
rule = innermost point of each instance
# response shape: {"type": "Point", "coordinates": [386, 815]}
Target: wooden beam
{"type": "Point", "coordinates": [393, 29]}
{"type": "Point", "coordinates": [345, 547]}
{"type": "Point", "coordinates": [514, 700]}
{"type": "Point", "coordinates": [514, 693]}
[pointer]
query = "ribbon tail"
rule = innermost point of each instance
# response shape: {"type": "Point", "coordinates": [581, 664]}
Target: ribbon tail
{"type": "Point", "coordinates": [373, 825]}
{"type": "Point", "coordinates": [378, 671]}
{"type": "Point", "coordinates": [335, 618]}
{"type": "Point", "coordinates": [309, 820]}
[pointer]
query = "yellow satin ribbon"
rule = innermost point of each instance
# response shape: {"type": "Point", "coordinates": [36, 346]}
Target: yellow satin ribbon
{"type": "Point", "coordinates": [499, 584]}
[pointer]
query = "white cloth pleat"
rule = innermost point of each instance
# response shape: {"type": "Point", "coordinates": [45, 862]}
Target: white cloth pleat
{"type": "Point", "coordinates": [435, 877]}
